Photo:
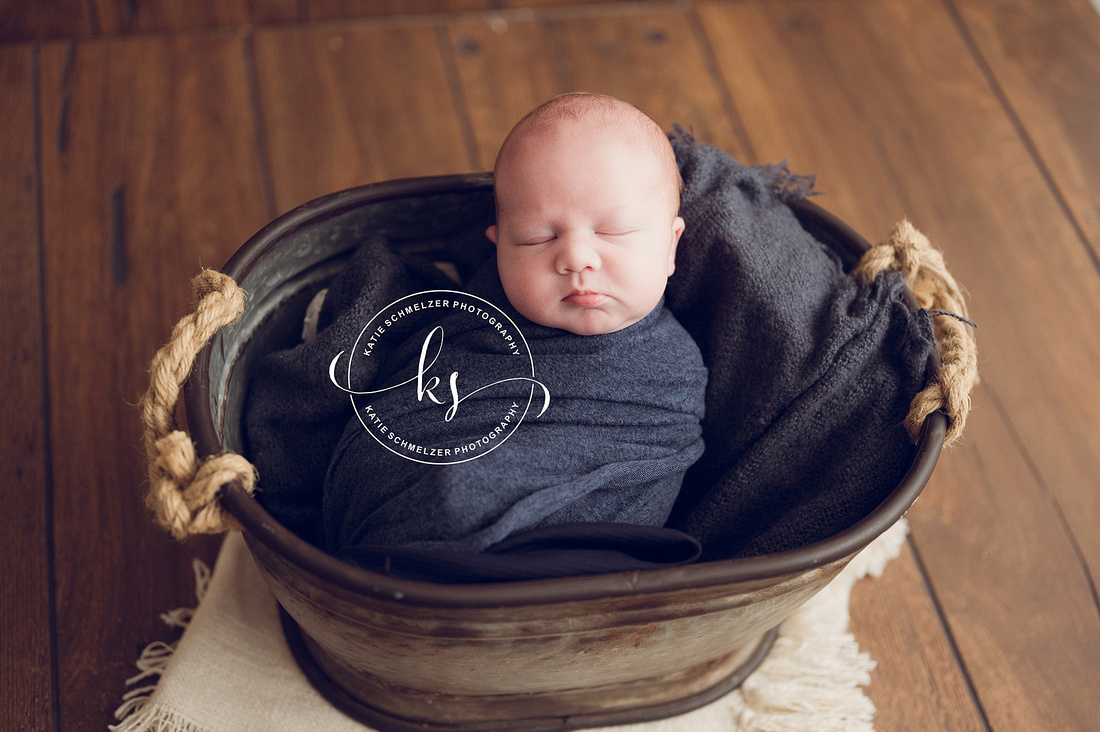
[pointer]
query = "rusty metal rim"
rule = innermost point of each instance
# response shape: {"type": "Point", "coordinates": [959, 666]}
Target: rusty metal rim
{"type": "Point", "coordinates": [263, 527]}
{"type": "Point", "coordinates": [363, 712]}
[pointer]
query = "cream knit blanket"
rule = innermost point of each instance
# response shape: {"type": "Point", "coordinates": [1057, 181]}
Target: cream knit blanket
{"type": "Point", "coordinates": [231, 671]}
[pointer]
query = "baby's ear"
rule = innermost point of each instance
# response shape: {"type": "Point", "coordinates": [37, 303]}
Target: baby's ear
{"type": "Point", "coordinates": [491, 232]}
{"type": "Point", "coordinates": [677, 231]}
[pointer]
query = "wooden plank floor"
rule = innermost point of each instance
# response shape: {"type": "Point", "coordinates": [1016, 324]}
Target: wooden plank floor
{"type": "Point", "coordinates": [140, 141]}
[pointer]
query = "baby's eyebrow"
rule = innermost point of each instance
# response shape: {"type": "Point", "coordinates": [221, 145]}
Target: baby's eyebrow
{"type": "Point", "coordinates": [618, 222]}
{"type": "Point", "coordinates": [621, 208]}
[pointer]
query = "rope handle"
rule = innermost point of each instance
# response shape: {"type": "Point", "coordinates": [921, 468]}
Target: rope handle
{"type": "Point", "coordinates": [183, 490]}
{"type": "Point", "coordinates": [908, 251]}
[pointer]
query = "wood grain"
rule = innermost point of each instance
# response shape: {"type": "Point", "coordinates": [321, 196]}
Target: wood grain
{"type": "Point", "coordinates": [1018, 603]}
{"type": "Point", "coordinates": [124, 16]}
{"type": "Point", "coordinates": [652, 60]}
{"type": "Point", "coordinates": [149, 171]}
{"type": "Point", "coordinates": [968, 169]}
{"type": "Point", "coordinates": [25, 21]}
{"type": "Point", "coordinates": [328, 9]}
{"type": "Point", "coordinates": [965, 177]}
{"type": "Point", "coordinates": [26, 645]}
{"type": "Point", "coordinates": [916, 684]}
{"type": "Point", "coordinates": [802, 112]}
{"type": "Point", "coordinates": [625, 4]}
{"type": "Point", "coordinates": [1045, 58]}
{"type": "Point", "coordinates": [509, 64]}
{"type": "Point", "coordinates": [976, 118]}
{"type": "Point", "coordinates": [785, 83]}
{"type": "Point", "coordinates": [506, 67]}
{"type": "Point", "coordinates": [366, 102]}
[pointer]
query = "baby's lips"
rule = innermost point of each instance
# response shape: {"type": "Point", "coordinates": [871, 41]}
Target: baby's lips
{"type": "Point", "coordinates": [584, 298]}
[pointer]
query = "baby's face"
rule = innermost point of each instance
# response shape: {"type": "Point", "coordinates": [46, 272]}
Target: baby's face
{"type": "Point", "coordinates": [586, 230]}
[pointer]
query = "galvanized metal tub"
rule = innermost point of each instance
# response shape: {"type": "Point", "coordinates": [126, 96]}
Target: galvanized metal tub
{"type": "Point", "coordinates": [548, 654]}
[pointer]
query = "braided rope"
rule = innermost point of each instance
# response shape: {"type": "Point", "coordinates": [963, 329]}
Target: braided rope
{"type": "Point", "coordinates": [908, 251]}
{"type": "Point", "coordinates": [183, 490]}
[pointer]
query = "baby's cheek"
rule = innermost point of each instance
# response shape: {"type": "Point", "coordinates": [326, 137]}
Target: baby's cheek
{"type": "Point", "coordinates": [510, 275]}
{"type": "Point", "coordinates": [521, 292]}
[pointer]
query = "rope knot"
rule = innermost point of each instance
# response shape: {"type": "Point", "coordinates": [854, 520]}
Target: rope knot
{"type": "Point", "coordinates": [909, 252]}
{"type": "Point", "coordinates": [183, 490]}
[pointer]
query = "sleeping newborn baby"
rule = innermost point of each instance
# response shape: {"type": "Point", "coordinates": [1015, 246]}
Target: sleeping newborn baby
{"type": "Point", "coordinates": [587, 196]}
{"type": "Point", "coordinates": [587, 193]}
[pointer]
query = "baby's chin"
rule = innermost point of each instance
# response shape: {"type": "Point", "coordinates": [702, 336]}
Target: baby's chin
{"type": "Point", "coordinates": [591, 322]}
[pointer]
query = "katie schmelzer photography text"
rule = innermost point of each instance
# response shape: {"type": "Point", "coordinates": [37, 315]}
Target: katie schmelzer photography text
{"type": "Point", "coordinates": [441, 375]}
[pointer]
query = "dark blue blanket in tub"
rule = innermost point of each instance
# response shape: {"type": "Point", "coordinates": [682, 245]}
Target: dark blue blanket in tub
{"type": "Point", "coordinates": [811, 372]}
{"type": "Point", "coordinates": [620, 429]}
{"type": "Point", "coordinates": [810, 377]}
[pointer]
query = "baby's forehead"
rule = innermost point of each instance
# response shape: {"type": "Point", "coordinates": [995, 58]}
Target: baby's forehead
{"type": "Point", "coordinates": [573, 128]}
{"type": "Point", "coordinates": [540, 143]}
{"type": "Point", "coordinates": [626, 125]}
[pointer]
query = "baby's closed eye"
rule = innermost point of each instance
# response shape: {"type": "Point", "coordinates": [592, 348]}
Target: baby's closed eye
{"type": "Point", "coordinates": [615, 233]}
{"type": "Point", "coordinates": [536, 240]}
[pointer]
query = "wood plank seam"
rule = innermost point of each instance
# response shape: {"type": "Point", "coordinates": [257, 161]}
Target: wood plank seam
{"type": "Point", "coordinates": [66, 88]}
{"type": "Point", "coordinates": [129, 12]}
{"type": "Point", "coordinates": [598, 9]}
{"type": "Point", "coordinates": [945, 627]}
{"type": "Point", "coordinates": [873, 134]}
{"type": "Point", "coordinates": [127, 23]}
{"type": "Point", "coordinates": [1036, 473]}
{"type": "Point", "coordinates": [605, 9]}
{"type": "Point", "coordinates": [93, 17]}
{"type": "Point", "coordinates": [118, 234]}
{"type": "Point", "coordinates": [47, 434]}
{"type": "Point", "coordinates": [405, 20]}
{"type": "Point", "coordinates": [259, 126]}
{"type": "Point", "coordinates": [458, 97]}
{"type": "Point", "coordinates": [691, 16]}
{"type": "Point", "coordinates": [1021, 130]}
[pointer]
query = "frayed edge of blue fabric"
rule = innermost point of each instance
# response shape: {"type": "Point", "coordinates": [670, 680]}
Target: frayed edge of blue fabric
{"type": "Point", "coordinates": [789, 187]}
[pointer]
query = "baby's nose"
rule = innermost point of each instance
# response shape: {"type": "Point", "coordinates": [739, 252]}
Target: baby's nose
{"type": "Point", "coordinates": [576, 253]}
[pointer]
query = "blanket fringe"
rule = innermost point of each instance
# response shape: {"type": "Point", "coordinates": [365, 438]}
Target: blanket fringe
{"type": "Point", "coordinates": [137, 714]}
{"type": "Point", "coordinates": [789, 187]}
{"type": "Point", "coordinates": [158, 719]}
{"type": "Point", "coordinates": [810, 682]}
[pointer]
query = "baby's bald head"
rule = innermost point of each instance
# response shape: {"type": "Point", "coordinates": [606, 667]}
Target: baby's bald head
{"type": "Point", "coordinates": [587, 192]}
{"type": "Point", "coordinates": [599, 114]}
